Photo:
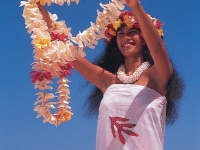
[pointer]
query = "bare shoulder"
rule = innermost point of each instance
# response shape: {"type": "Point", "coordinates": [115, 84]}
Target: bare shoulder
{"type": "Point", "coordinates": [108, 79]}
{"type": "Point", "coordinates": [149, 78]}
{"type": "Point", "coordinates": [155, 82]}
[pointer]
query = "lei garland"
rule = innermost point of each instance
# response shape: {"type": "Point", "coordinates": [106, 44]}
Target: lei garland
{"type": "Point", "coordinates": [54, 51]}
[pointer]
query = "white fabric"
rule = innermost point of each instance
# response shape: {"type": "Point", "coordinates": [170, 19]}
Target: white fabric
{"type": "Point", "coordinates": [142, 106]}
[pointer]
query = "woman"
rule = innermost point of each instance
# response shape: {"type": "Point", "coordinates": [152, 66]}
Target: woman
{"type": "Point", "coordinates": [132, 86]}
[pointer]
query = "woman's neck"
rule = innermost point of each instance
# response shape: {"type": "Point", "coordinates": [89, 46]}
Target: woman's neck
{"type": "Point", "coordinates": [131, 64]}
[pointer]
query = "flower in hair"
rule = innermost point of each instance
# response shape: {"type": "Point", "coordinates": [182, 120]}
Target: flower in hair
{"type": "Point", "coordinates": [127, 19]}
{"type": "Point", "coordinates": [117, 24]}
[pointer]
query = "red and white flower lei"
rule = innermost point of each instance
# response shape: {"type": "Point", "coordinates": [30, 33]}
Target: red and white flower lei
{"type": "Point", "coordinates": [54, 52]}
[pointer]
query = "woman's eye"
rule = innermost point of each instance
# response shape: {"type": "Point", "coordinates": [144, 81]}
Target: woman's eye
{"type": "Point", "coordinates": [133, 31]}
{"type": "Point", "coordinates": [120, 33]}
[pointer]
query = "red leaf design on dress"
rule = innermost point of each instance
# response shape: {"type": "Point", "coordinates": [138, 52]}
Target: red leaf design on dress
{"type": "Point", "coordinates": [121, 119]}
{"type": "Point", "coordinates": [129, 125]}
{"type": "Point", "coordinates": [114, 122]}
{"type": "Point", "coordinates": [131, 133]}
{"type": "Point", "coordinates": [112, 127]}
{"type": "Point", "coordinates": [121, 137]}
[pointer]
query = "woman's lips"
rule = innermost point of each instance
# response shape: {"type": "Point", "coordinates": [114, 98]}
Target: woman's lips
{"type": "Point", "coordinates": [129, 44]}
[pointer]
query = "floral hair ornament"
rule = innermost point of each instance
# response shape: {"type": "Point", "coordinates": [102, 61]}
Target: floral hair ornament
{"type": "Point", "coordinates": [127, 19]}
{"type": "Point", "coordinates": [54, 51]}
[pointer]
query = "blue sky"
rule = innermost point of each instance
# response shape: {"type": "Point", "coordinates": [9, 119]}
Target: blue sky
{"type": "Point", "coordinates": [19, 128]}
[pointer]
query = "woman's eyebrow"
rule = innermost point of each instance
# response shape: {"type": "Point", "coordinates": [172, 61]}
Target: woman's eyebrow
{"type": "Point", "coordinates": [119, 30]}
{"type": "Point", "coordinates": [134, 29]}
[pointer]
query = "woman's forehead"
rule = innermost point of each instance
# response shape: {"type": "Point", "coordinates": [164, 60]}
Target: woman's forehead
{"type": "Point", "coordinates": [127, 29]}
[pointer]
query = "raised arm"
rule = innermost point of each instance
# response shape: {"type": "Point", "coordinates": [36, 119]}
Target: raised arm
{"type": "Point", "coordinates": [162, 66]}
{"type": "Point", "coordinates": [45, 15]}
{"type": "Point", "coordinates": [94, 74]}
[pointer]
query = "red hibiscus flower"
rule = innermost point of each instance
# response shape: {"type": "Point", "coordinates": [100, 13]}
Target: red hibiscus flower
{"type": "Point", "coordinates": [67, 69]}
{"type": "Point", "coordinates": [56, 36]}
{"type": "Point", "coordinates": [40, 76]}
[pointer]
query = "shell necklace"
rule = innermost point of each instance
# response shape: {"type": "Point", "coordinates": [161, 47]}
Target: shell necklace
{"type": "Point", "coordinates": [135, 76]}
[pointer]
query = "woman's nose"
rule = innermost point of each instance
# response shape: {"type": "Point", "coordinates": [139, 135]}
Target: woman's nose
{"type": "Point", "coordinates": [127, 35]}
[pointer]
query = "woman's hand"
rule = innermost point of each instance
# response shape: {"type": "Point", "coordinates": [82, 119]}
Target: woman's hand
{"type": "Point", "coordinates": [132, 3]}
{"type": "Point", "coordinates": [45, 15]}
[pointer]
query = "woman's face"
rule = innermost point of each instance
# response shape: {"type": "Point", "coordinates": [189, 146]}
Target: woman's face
{"type": "Point", "coordinates": [129, 42]}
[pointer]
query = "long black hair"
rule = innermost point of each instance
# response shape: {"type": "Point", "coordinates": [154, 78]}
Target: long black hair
{"type": "Point", "coordinates": [111, 59]}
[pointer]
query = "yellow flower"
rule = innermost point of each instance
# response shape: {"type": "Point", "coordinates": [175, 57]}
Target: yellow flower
{"type": "Point", "coordinates": [39, 53]}
{"type": "Point", "coordinates": [160, 32]}
{"type": "Point", "coordinates": [117, 24]}
{"type": "Point", "coordinates": [41, 43]}
{"type": "Point", "coordinates": [63, 116]}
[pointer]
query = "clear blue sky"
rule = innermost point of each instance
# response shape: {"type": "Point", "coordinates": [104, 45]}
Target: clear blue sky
{"type": "Point", "coordinates": [19, 128]}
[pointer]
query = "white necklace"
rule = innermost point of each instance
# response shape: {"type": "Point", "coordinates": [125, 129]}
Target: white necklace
{"type": "Point", "coordinates": [135, 76]}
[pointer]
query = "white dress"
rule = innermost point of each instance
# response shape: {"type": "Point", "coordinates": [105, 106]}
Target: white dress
{"type": "Point", "coordinates": [131, 117]}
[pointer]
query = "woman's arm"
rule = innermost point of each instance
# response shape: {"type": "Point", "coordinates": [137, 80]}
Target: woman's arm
{"type": "Point", "coordinates": [162, 65]}
{"type": "Point", "coordinates": [93, 73]}
{"type": "Point", "coordinates": [45, 15]}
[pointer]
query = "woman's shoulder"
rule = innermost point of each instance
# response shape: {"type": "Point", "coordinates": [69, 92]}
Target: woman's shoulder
{"type": "Point", "coordinates": [154, 82]}
{"type": "Point", "coordinates": [108, 79]}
